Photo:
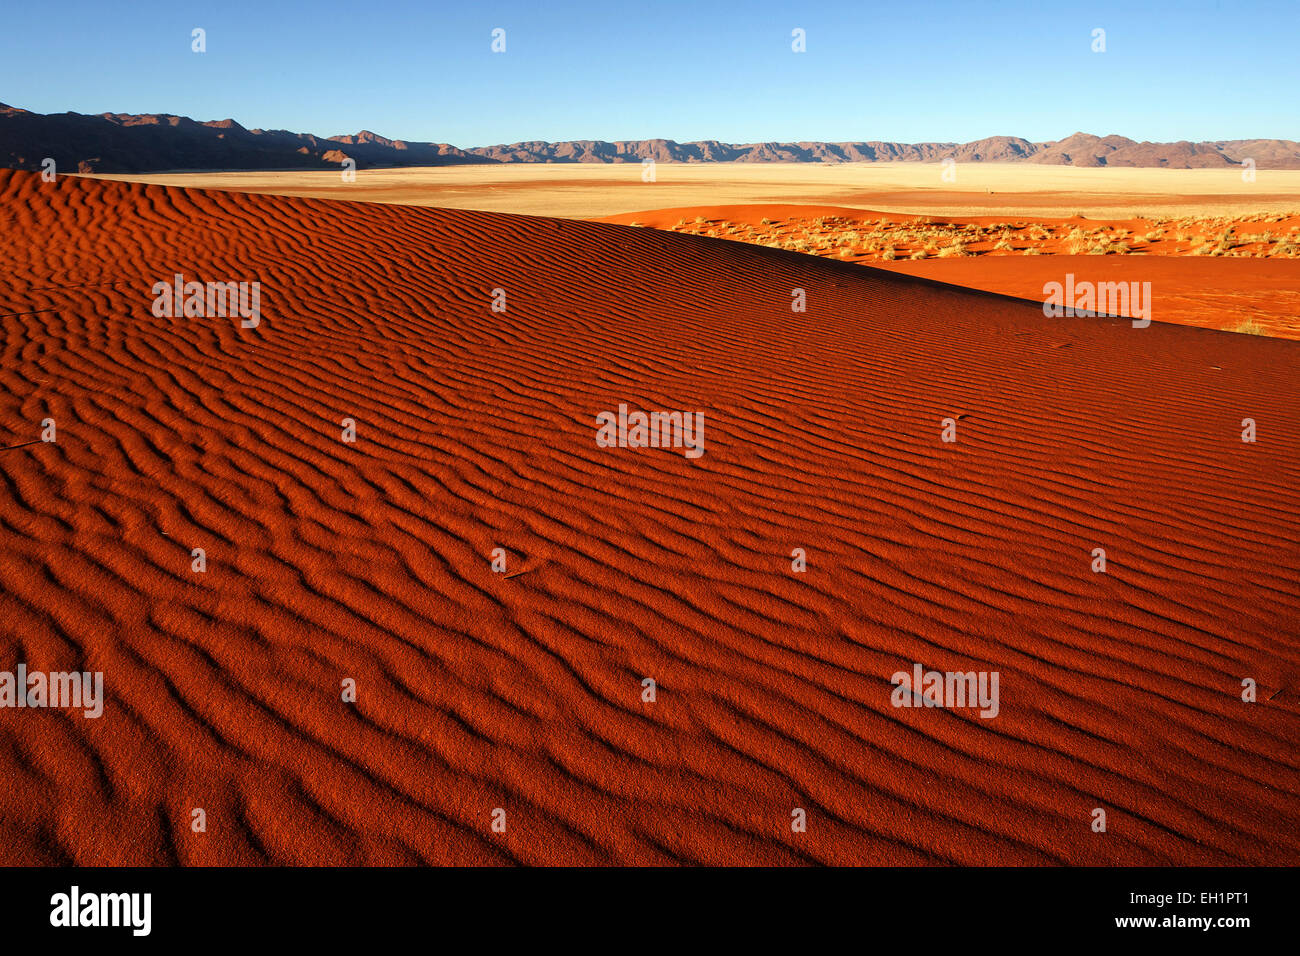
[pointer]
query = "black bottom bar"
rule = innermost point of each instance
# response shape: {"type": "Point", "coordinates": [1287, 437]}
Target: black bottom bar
{"type": "Point", "coordinates": [636, 907]}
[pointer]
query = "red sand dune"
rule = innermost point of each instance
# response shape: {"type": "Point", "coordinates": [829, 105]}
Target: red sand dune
{"type": "Point", "coordinates": [1189, 290]}
{"type": "Point", "coordinates": [1212, 292]}
{"type": "Point", "coordinates": [477, 690]}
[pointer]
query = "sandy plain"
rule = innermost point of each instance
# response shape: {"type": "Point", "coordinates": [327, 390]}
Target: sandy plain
{"type": "Point", "coordinates": [582, 191]}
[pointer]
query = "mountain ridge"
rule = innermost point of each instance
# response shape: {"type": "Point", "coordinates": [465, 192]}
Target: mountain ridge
{"type": "Point", "coordinates": [161, 142]}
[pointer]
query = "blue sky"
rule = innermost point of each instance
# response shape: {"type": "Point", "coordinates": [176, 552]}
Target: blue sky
{"type": "Point", "coordinates": [907, 70]}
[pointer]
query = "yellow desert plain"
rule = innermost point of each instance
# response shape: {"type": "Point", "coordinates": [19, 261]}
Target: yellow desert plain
{"type": "Point", "coordinates": [595, 190]}
{"type": "Point", "coordinates": [1218, 249]}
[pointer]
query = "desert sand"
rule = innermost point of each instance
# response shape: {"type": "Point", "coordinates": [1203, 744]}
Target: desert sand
{"type": "Point", "coordinates": [1236, 273]}
{"type": "Point", "coordinates": [1197, 205]}
{"type": "Point", "coordinates": [330, 561]}
{"type": "Point", "coordinates": [590, 190]}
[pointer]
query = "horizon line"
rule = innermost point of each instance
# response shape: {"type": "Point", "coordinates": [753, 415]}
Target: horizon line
{"type": "Point", "coordinates": [665, 139]}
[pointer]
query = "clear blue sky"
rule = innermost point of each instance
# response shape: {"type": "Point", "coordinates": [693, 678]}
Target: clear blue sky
{"type": "Point", "coordinates": [905, 70]}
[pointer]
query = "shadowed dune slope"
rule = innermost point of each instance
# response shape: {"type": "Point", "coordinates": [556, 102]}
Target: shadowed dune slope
{"type": "Point", "coordinates": [370, 561]}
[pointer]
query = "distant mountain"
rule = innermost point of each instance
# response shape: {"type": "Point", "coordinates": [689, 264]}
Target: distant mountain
{"type": "Point", "coordinates": [998, 148]}
{"type": "Point", "coordinates": [126, 143]}
{"type": "Point", "coordinates": [1082, 149]}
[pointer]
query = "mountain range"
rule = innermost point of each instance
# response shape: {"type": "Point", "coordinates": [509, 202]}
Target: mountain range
{"type": "Point", "coordinates": [156, 142]}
